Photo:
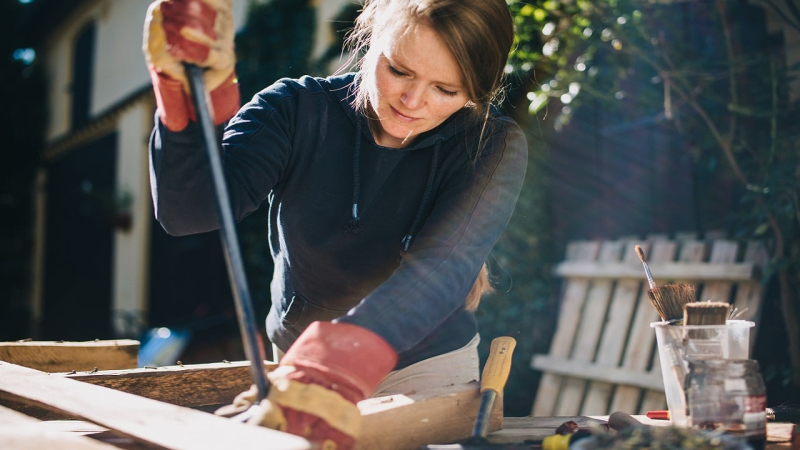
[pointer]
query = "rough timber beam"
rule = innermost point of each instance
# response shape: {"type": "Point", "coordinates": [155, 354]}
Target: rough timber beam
{"type": "Point", "coordinates": [392, 422]}
{"type": "Point", "coordinates": [60, 356]}
{"type": "Point", "coordinates": [140, 418]}
{"type": "Point", "coordinates": [21, 432]}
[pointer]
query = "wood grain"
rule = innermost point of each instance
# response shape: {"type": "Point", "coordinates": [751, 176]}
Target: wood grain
{"type": "Point", "coordinates": [140, 418]}
{"type": "Point", "coordinates": [573, 298]}
{"type": "Point", "coordinates": [589, 331]}
{"type": "Point", "coordinates": [437, 416]}
{"type": "Point", "coordinates": [51, 356]}
{"type": "Point", "coordinates": [20, 432]}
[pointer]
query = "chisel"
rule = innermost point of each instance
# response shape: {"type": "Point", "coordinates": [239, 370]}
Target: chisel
{"type": "Point", "coordinates": [493, 379]}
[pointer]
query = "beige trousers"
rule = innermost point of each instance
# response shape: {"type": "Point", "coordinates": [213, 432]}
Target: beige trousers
{"type": "Point", "coordinates": [457, 367]}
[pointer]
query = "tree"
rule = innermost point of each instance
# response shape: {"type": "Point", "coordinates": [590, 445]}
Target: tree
{"type": "Point", "coordinates": [692, 67]}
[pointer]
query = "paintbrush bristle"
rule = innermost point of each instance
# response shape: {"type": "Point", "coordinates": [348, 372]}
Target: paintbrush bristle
{"type": "Point", "coordinates": [670, 298]}
{"type": "Point", "coordinates": [706, 313]}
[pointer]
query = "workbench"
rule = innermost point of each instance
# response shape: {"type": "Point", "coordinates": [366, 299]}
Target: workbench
{"type": "Point", "coordinates": [519, 429]}
{"type": "Point", "coordinates": [166, 407]}
{"type": "Point", "coordinates": [516, 430]}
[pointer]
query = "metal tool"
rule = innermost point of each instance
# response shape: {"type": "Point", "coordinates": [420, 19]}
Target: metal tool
{"type": "Point", "coordinates": [493, 379]}
{"type": "Point", "coordinates": [253, 345]}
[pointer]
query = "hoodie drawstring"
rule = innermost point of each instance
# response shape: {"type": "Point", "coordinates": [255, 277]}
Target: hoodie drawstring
{"type": "Point", "coordinates": [353, 225]}
{"type": "Point", "coordinates": [428, 190]}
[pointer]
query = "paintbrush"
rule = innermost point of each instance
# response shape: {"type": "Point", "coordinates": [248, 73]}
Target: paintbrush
{"type": "Point", "coordinates": [650, 280]}
{"type": "Point", "coordinates": [669, 298]}
{"type": "Point", "coordinates": [704, 342]}
{"type": "Point", "coordinates": [706, 313]}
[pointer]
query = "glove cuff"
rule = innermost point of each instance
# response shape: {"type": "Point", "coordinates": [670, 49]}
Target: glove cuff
{"type": "Point", "coordinates": [344, 352]}
{"type": "Point", "coordinates": [175, 104]}
{"type": "Point", "coordinates": [226, 99]}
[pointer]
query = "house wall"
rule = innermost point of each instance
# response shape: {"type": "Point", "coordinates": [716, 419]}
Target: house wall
{"type": "Point", "coordinates": [118, 72]}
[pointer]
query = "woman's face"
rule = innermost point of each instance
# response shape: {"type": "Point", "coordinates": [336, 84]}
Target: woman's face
{"type": "Point", "coordinates": [416, 85]}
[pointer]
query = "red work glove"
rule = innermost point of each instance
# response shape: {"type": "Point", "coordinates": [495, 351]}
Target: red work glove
{"type": "Point", "coordinates": [199, 32]}
{"type": "Point", "coordinates": [330, 368]}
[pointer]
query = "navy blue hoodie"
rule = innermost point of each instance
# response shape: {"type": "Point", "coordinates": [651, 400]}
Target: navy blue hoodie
{"type": "Point", "coordinates": [388, 239]}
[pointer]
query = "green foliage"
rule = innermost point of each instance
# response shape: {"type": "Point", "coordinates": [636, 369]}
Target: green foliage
{"type": "Point", "coordinates": [711, 72]}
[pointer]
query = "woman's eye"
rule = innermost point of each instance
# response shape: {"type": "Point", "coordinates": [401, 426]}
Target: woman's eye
{"type": "Point", "coordinates": [395, 71]}
{"type": "Point", "coordinates": [448, 93]}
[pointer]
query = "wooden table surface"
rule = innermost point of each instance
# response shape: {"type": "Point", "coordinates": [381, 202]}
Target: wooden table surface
{"type": "Point", "coordinates": [515, 430]}
{"type": "Point", "coordinates": [519, 429]}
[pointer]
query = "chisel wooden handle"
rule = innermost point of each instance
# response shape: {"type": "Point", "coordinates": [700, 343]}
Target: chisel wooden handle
{"type": "Point", "coordinates": [493, 379]}
{"type": "Point", "coordinates": [498, 366]}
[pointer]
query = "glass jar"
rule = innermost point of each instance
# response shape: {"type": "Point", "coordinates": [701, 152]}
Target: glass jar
{"type": "Point", "coordinates": [728, 395]}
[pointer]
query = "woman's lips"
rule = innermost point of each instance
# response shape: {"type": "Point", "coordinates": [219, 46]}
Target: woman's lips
{"type": "Point", "coordinates": [402, 116]}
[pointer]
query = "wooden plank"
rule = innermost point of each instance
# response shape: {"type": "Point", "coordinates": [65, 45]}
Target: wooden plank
{"type": "Point", "coordinates": [400, 421]}
{"type": "Point", "coordinates": [520, 429]}
{"type": "Point", "coordinates": [639, 347]}
{"type": "Point", "coordinates": [749, 294]}
{"type": "Point", "coordinates": [662, 271]}
{"type": "Point", "coordinates": [437, 416]}
{"type": "Point", "coordinates": [20, 432]}
{"type": "Point", "coordinates": [96, 432]}
{"type": "Point", "coordinates": [569, 314]}
{"type": "Point", "coordinates": [588, 333]}
{"type": "Point", "coordinates": [192, 385]}
{"type": "Point", "coordinates": [140, 418]}
{"type": "Point", "coordinates": [600, 373]}
{"type": "Point", "coordinates": [612, 341]}
{"type": "Point", "coordinates": [722, 251]}
{"type": "Point", "coordinates": [50, 356]}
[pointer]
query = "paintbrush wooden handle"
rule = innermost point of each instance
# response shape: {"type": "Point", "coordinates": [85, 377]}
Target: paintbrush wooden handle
{"type": "Point", "coordinates": [650, 280]}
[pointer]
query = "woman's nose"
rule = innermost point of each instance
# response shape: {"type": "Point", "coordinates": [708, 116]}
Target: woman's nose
{"type": "Point", "coordinates": [412, 98]}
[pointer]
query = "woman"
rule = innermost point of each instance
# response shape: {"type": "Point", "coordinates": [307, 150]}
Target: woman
{"type": "Point", "coordinates": [388, 188]}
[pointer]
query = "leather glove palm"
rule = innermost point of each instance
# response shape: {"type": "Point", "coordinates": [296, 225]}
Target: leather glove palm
{"type": "Point", "coordinates": [199, 32]}
{"type": "Point", "coordinates": [315, 388]}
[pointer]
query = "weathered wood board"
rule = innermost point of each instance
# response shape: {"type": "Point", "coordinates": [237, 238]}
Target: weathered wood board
{"type": "Point", "coordinates": [393, 422]}
{"type": "Point", "coordinates": [144, 419]}
{"type": "Point", "coordinates": [20, 432]}
{"type": "Point", "coordinates": [52, 356]}
{"type": "Point", "coordinates": [437, 416]}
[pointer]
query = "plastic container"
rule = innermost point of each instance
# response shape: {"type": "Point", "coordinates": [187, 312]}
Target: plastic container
{"type": "Point", "coordinates": [678, 344]}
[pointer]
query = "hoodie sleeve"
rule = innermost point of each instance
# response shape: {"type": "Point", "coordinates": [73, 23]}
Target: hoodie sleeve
{"type": "Point", "coordinates": [256, 144]}
{"type": "Point", "coordinates": [471, 211]}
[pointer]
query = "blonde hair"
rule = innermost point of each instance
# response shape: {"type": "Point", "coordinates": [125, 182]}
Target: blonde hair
{"type": "Point", "coordinates": [479, 34]}
{"type": "Point", "coordinates": [481, 287]}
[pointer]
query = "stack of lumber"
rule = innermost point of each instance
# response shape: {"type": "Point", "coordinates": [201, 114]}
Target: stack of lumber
{"type": "Point", "coordinates": [166, 407]}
